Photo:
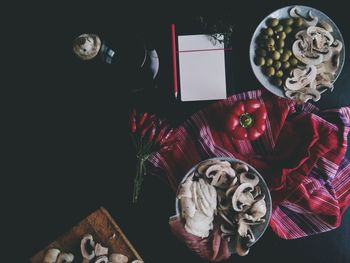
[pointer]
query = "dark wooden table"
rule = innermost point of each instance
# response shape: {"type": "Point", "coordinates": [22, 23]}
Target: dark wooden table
{"type": "Point", "coordinates": [71, 143]}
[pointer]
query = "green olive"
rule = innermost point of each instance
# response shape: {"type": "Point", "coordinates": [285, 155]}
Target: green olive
{"type": "Point", "coordinates": [279, 28]}
{"type": "Point", "coordinates": [280, 43]}
{"type": "Point", "coordinates": [286, 65]}
{"type": "Point", "coordinates": [279, 74]}
{"type": "Point", "coordinates": [260, 61]}
{"type": "Point", "coordinates": [268, 61]}
{"type": "Point", "coordinates": [293, 61]}
{"type": "Point", "coordinates": [270, 41]}
{"type": "Point", "coordinates": [298, 22]}
{"type": "Point", "coordinates": [288, 52]}
{"type": "Point", "coordinates": [275, 55]}
{"type": "Point", "coordinates": [277, 81]}
{"type": "Point", "coordinates": [272, 22]}
{"type": "Point", "coordinates": [284, 57]}
{"type": "Point", "coordinates": [277, 65]}
{"type": "Point", "coordinates": [282, 35]}
{"type": "Point", "coordinates": [288, 29]}
{"type": "Point", "coordinates": [271, 48]}
{"type": "Point", "coordinates": [269, 31]}
{"type": "Point", "coordinates": [288, 21]}
{"type": "Point", "coordinates": [270, 71]}
{"type": "Point", "coordinates": [281, 50]}
{"type": "Point", "coordinates": [262, 52]}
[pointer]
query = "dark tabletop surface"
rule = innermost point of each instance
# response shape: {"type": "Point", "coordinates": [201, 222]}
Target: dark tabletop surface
{"type": "Point", "coordinates": [71, 144]}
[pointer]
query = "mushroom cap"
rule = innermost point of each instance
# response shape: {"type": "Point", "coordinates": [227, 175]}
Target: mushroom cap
{"type": "Point", "coordinates": [86, 46]}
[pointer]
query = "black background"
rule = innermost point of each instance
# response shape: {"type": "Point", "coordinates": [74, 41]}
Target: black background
{"type": "Point", "coordinates": [69, 145]}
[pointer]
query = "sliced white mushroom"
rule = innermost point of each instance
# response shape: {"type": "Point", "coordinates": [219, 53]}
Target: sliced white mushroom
{"type": "Point", "coordinates": [303, 52]}
{"type": "Point", "coordinates": [118, 258]}
{"type": "Point", "coordinates": [240, 167]}
{"type": "Point", "coordinates": [328, 69]}
{"type": "Point", "coordinates": [101, 259]}
{"type": "Point", "coordinates": [244, 243]}
{"type": "Point", "coordinates": [222, 214]}
{"type": "Point", "coordinates": [203, 166]}
{"type": "Point", "coordinates": [258, 210]}
{"type": "Point", "coordinates": [87, 246]}
{"type": "Point", "coordinates": [322, 38]}
{"type": "Point", "coordinates": [256, 192]}
{"type": "Point", "coordinates": [300, 78]}
{"type": "Point", "coordinates": [251, 178]}
{"type": "Point", "coordinates": [51, 255]}
{"type": "Point", "coordinates": [137, 261]}
{"type": "Point", "coordinates": [230, 191]}
{"type": "Point", "coordinates": [244, 221]}
{"type": "Point", "coordinates": [213, 170]}
{"type": "Point", "coordinates": [100, 250]}
{"type": "Point", "coordinates": [65, 258]}
{"type": "Point", "coordinates": [311, 20]}
{"type": "Point", "coordinates": [243, 198]}
{"type": "Point", "coordinates": [326, 26]}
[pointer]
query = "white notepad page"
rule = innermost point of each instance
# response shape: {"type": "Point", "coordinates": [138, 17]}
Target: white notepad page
{"type": "Point", "coordinates": [202, 68]}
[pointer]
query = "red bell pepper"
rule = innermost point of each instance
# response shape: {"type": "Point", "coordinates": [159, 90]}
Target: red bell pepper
{"type": "Point", "coordinates": [247, 120]}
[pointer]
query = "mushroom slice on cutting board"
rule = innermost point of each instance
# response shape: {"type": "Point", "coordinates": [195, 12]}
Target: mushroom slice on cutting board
{"type": "Point", "coordinates": [65, 258]}
{"type": "Point", "coordinates": [118, 258]}
{"type": "Point", "coordinates": [87, 246]}
{"type": "Point", "coordinates": [100, 250]}
{"type": "Point", "coordinates": [101, 259]}
{"type": "Point", "coordinates": [51, 255]}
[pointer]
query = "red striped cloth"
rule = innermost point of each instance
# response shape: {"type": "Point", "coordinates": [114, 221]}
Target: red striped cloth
{"type": "Point", "coordinates": [301, 156]}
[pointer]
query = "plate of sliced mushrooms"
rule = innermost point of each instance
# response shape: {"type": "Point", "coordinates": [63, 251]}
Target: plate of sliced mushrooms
{"type": "Point", "coordinates": [225, 193]}
{"type": "Point", "coordinates": [297, 52]}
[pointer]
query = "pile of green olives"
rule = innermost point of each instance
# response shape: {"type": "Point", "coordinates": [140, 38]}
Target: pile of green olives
{"type": "Point", "coordinates": [274, 53]}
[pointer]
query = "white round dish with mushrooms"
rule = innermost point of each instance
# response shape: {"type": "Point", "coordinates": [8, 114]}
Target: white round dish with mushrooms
{"type": "Point", "coordinates": [230, 194]}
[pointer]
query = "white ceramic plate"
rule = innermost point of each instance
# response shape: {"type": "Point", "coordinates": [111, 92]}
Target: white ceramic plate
{"type": "Point", "coordinates": [284, 13]}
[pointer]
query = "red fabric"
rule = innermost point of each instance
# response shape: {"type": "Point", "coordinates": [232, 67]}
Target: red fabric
{"type": "Point", "coordinates": [301, 156]}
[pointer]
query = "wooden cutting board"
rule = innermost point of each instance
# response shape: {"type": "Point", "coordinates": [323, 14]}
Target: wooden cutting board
{"type": "Point", "coordinates": [102, 227]}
